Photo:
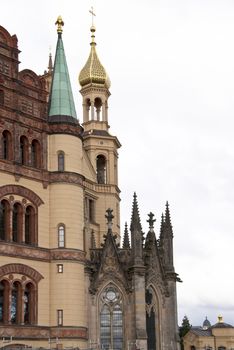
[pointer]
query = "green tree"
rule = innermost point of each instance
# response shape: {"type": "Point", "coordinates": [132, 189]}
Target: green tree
{"type": "Point", "coordinates": [183, 329]}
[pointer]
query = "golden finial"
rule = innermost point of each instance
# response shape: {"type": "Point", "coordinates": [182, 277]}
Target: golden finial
{"type": "Point", "coordinates": [220, 319]}
{"type": "Point", "coordinates": [60, 25]}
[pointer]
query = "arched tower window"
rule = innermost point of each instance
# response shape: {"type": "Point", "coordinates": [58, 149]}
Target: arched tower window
{"type": "Point", "coordinates": [17, 223]}
{"type": "Point", "coordinates": [29, 303]}
{"type": "Point", "coordinates": [61, 161]}
{"type": "Point", "coordinates": [4, 220]}
{"type": "Point", "coordinates": [101, 169]}
{"type": "Point", "coordinates": [61, 236]}
{"type": "Point", "coordinates": [111, 319]}
{"type": "Point", "coordinates": [16, 302]}
{"type": "Point", "coordinates": [6, 145]}
{"type": "Point", "coordinates": [29, 225]}
{"type": "Point", "coordinates": [98, 108]}
{"type": "Point", "coordinates": [24, 150]}
{"type": "Point", "coordinates": [150, 319]}
{"type": "Point", "coordinates": [36, 154]}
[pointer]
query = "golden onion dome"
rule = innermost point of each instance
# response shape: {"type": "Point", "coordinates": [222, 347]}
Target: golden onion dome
{"type": "Point", "coordinates": [93, 72]}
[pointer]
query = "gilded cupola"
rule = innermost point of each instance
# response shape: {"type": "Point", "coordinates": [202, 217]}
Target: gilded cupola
{"type": "Point", "coordinates": [93, 72]}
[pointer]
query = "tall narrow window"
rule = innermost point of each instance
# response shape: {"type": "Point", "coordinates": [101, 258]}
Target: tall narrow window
{"type": "Point", "coordinates": [4, 220]}
{"type": "Point", "coordinates": [91, 211]}
{"type": "Point", "coordinates": [24, 150]}
{"type": "Point", "coordinates": [61, 166]}
{"type": "Point", "coordinates": [29, 225]}
{"type": "Point", "coordinates": [1, 97]}
{"type": "Point", "coordinates": [150, 320]}
{"type": "Point", "coordinates": [29, 304]}
{"type": "Point", "coordinates": [101, 169]}
{"type": "Point", "coordinates": [111, 319]}
{"type": "Point", "coordinates": [35, 154]}
{"type": "Point", "coordinates": [15, 303]}
{"type": "Point", "coordinates": [6, 145]}
{"type": "Point", "coordinates": [61, 236]}
{"type": "Point", "coordinates": [4, 301]}
{"type": "Point", "coordinates": [17, 223]}
{"type": "Point", "coordinates": [60, 317]}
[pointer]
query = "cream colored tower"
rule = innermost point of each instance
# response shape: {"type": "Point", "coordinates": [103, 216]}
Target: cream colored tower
{"type": "Point", "coordinates": [65, 154]}
{"type": "Point", "coordinates": [100, 146]}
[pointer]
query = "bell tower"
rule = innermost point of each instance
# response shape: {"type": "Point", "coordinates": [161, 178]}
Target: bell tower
{"type": "Point", "coordinates": [100, 146]}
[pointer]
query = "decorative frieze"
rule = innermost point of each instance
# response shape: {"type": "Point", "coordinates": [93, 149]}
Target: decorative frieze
{"type": "Point", "coordinates": [39, 332]}
{"type": "Point", "coordinates": [24, 251]}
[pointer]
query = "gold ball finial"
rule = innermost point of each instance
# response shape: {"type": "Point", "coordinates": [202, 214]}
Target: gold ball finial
{"type": "Point", "coordinates": [59, 24]}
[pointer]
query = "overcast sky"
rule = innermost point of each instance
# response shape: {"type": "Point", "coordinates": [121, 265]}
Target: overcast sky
{"type": "Point", "coordinates": [171, 64]}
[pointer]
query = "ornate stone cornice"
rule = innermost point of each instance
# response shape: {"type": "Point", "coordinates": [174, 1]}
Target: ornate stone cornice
{"type": "Point", "coordinates": [42, 254]}
{"type": "Point", "coordinates": [63, 128]}
{"type": "Point", "coordinates": [68, 177]}
{"type": "Point", "coordinates": [40, 332]}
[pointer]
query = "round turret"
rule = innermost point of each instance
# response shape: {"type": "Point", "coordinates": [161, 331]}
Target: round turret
{"type": "Point", "coordinates": [93, 72]}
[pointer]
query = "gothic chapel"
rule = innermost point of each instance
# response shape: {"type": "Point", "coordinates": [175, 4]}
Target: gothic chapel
{"type": "Point", "coordinates": [65, 281]}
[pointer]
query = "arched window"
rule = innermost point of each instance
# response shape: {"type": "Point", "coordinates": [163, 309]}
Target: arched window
{"type": "Point", "coordinates": [150, 320]}
{"type": "Point", "coordinates": [17, 223]}
{"type": "Point", "coordinates": [4, 301]}
{"type": "Point", "coordinates": [4, 220]}
{"type": "Point", "coordinates": [101, 169]}
{"type": "Point", "coordinates": [29, 225]}
{"type": "Point", "coordinates": [61, 236]}
{"type": "Point", "coordinates": [98, 106]}
{"type": "Point", "coordinates": [111, 319]}
{"type": "Point", "coordinates": [15, 313]}
{"type": "Point", "coordinates": [36, 154]}
{"type": "Point", "coordinates": [24, 150]}
{"type": "Point", "coordinates": [6, 145]}
{"type": "Point", "coordinates": [29, 303]}
{"type": "Point", "coordinates": [61, 165]}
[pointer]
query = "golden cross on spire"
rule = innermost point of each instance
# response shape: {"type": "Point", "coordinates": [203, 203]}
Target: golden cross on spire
{"type": "Point", "coordinates": [92, 13]}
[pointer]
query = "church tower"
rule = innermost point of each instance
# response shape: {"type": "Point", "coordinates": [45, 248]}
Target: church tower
{"type": "Point", "coordinates": [100, 145]}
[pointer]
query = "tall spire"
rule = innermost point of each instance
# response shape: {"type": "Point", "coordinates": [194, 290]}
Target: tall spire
{"type": "Point", "coordinates": [61, 98]}
{"type": "Point", "coordinates": [135, 221]}
{"type": "Point", "coordinates": [126, 243]}
{"type": "Point", "coordinates": [136, 234]}
{"type": "Point", "coordinates": [166, 240]}
{"type": "Point", "coordinates": [50, 64]}
{"type": "Point", "coordinates": [168, 226]}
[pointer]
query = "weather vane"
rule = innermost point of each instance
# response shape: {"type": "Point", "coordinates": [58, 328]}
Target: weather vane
{"type": "Point", "coordinates": [93, 14]}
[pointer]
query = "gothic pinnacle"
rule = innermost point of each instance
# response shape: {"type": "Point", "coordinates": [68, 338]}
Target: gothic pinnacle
{"type": "Point", "coordinates": [135, 221]}
{"type": "Point", "coordinates": [126, 243]}
{"type": "Point", "coordinates": [167, 215]}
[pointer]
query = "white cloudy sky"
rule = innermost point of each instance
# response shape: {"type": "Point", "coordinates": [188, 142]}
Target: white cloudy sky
{"type": "Point", "coordinates": [171, 64]}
